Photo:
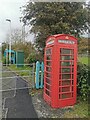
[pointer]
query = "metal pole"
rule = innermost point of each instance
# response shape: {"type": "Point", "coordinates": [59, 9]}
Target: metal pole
{"type": "Point", "coordinates": [0, 81]}
{"type": "Point", "coordinates": [7, 56]}
{"type": "Point", "coordinates": [23, 33]}
{"type": "Point", "coordinates": [9, 42]}
{"type": "Point", "coordinates": [10, 45]}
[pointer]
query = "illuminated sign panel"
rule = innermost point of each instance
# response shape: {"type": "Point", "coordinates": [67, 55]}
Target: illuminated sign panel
{"type": "Point", "coordinates": [66, 41]}
{"type": "Point", "coordinates": [50, 42]}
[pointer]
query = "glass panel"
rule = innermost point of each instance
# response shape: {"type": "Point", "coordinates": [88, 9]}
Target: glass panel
{"type": "Point", "coordinates": [72, 63]}
{"type": "Point", "coordinates": [48, 81]}
{"type": "Point", "coordinates": [72, 70]}
{"type": "Point", "coordinates": [72, 76]}
{"type": "Point", "coordinates": [68, 95]}
{"type": "Point", "coordinates": [48, 87]}
{"type": "Point", "coordinates": [66, 82]}
{"type": "Point", "coordinates": [65, 89]}
{"type": "Point", "coordinates": [66, 70]}
{"type": "Point", "coordinates": [59, 83]}
{"type": "Point", "coordinates": [48, 63]}
{"type": "Point", "coordinates": [66, 51]}
{"type": "Point", "coordinates": [72, 82]}
{"type": "Point", "coordinates": [48, 69]}
{"type": "Point", "coordinates": [72, 57]}
{"type": "Point", "coordinates": [67, 57]}
{"type": "Point", "coordinates": [60, 97]}
{"type": "Point", "coordinates": [66, 76]}
{"type": "Point", "coordinates": [72, 88]}
{"type": "Point", "coordinates": [48, 51]}
{"type": "Point", "coordinates": [48, 75]}
{"type": "Point", "coordinates": [60, 89]}
{"type": "Point", "coordinates": [59, 76]}
{"type": "Point", "coordinates": [47, 92]}
{"type": "Point", "coordinates": [48, 57]}
{"type": "Point", "coordinates": [65, 63]}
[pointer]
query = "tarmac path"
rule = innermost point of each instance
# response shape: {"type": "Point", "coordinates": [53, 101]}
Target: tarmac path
{"type": "Point", "coordinates": [20, 106]}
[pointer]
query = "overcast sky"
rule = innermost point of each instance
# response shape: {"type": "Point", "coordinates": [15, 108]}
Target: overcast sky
{"type": "Point", "coordinates": [10, 9]}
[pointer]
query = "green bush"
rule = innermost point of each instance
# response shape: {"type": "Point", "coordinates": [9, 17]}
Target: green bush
{"type": "Point", "coordinates": [83, 83]}
{"type": "Point", "coordinates": [31, 58]}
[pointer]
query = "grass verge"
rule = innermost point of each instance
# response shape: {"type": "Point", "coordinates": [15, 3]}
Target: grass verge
{"type": "Point", "coordinates": [84, 60]}
{"type": "Point", "coordinates": [79, 110]}
{"type": "Point", "coordinates": [19, 70]}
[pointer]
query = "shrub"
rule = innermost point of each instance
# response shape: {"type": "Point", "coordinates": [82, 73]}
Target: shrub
{"type": "Point", "coordinates": [82, 79]}
{"type": "Point", "coordinates": [33, 57]}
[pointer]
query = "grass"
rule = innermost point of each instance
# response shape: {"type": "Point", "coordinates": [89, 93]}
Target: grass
{"type": "Point", "coordinates": [19, 71]}
{"type": "Point", "coordinates": [79, 110]}
{"type": "Point", "coordinates": [84, 60]}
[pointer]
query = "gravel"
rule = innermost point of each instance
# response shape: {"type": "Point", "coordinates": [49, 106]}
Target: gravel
{"type": "Point", "coordinates": [44, 110]}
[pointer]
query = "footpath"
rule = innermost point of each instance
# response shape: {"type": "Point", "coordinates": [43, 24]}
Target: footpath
{"type": "Point", "coordinates": [20, 105]}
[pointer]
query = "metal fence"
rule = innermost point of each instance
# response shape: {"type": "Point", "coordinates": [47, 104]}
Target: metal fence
{"type": "Point", "coordinates": [18, 79]}
{"type": "Point", "coordinates": [14, 80]}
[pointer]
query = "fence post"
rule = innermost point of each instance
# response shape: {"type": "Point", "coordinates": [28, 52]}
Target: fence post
{"type": "Point", "coordinates": [42, 73]}
{"type": "Point", "coordinates": [37, 74]}
{"type": "Point", "coordinates": [33, 76]}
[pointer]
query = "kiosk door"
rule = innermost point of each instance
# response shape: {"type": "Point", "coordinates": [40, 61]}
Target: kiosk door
{"type": "Point", "coordinates": [66, 75]}
{"type": "Point", "coordinates": [47, 77]}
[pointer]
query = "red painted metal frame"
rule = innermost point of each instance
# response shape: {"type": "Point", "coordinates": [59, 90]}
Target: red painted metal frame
{"type": "Point", "coordinates": [54, 90]}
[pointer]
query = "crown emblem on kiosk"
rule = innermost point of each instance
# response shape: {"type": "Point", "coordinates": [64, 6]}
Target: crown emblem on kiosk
{"type": "Point", "coordinates": [67, 37]}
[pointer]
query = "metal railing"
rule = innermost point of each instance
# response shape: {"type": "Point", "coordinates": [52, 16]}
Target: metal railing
{"type": "Point", "coordinates": [11, 77]}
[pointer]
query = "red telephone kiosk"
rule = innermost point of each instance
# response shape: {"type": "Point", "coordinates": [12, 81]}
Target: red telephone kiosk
{"type": "Point", "coordinates": [60, 70]}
